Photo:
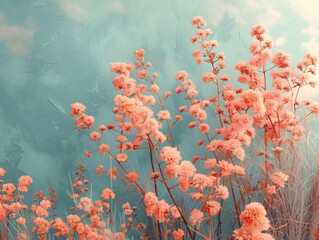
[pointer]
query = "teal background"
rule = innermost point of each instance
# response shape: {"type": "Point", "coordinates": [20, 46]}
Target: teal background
{"type": "Point", "coordinates": [53, 53]}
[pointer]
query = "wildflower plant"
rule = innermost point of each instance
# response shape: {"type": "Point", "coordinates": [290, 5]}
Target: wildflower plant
{"type": "Point", "coordinates": [225, 199]}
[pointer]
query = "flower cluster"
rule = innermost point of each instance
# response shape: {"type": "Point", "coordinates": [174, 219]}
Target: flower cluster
{"type": "Point", "coordinates": [217, 183]}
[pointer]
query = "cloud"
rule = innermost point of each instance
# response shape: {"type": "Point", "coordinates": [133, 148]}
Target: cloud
{"type": "Point", "coordinates": [280, 41]}
{"type": "Point", "coordinates": [264, 10]}
{"type": "Point", "coordinates": [307, 9]}
{"type": "Point", "coordinates": [72, 10]}
{"type": "Point", "coordinates": [17, 39]}
{"type": "Point", "coordinates": [247, 11]}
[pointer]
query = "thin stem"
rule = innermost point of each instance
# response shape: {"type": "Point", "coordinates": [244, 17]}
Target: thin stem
{"type": "Point", "coordinates": [169, 191]}
{"type": "Point", "coordinates": [155, 187]}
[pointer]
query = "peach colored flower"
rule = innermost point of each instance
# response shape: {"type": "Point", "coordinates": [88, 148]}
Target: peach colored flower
{"type": "Point", "coordinates": [3, 212]}
{"type": "Point", "coordinates": [279, 179]}
{"type": "Point", "coordinates": [112, 173]}
{"type": "Point", "coordinates": [164, 115]}
{"type": "Point", "coordinates": [131, 176]}
{"type": "Point", "coordinates": [107, 194]}
{"type": "Point", "coordinates": [42, 226]}
{"type": "Point", "coordinates": [73, 220]}
{"type": "Point", "coordinates": [160, 210]}
{"type": "Point", "coordinates": [139, 53]}
{"type": "Point", "coordinates": [77, 108]}
{"type": "Point", "coordinates": [196, 217]}
{"type": "Point", "coordinates": [204, 127]}
{"type": "Point", "coordinates": [88, 121]}
{"type": "Point", "coordinates": [121, 157]}
{"type": "Point", "coordinates": [198, 20]}
{"type": "Point", "coordinates": [170, 155]}
{"type": "Point", "coordinates": [254, 217]}
{"type": "Point", "coordinates": [178, 234]}
{"type": "Point", "coordinates": [104, 148]}
{"type": "Point", "coordinates": [9, 188]}
{"type": "Point", "coordinates": [210, 163]}
{"type": "Point", "coordinates": [154, 175]}
{"type": "Point", "coordinates": [99, 170]}
{"type": "Point", "coordinates": [222, 192]}
{"type": "Point", "coordinates": [23, 183]}
{"type": "Point", "coordinates": [95, 136]}
{"type": "Point", "coordinates": [183, 184]}
{"type": "Point", "coordinates": [181, 75]}
{"type": "Point", "coordinates": [2, 172]}
{"type": "Point", "coordinates": [281, 59]}
{"type": "Point", "coordinates": [175, 213]}
{"type": "Point", "coordinates": [209, 77]}
{"type": "Point", "coordinates": [186, 169]}
{"type": "Point", "coordinates": [212, 207]}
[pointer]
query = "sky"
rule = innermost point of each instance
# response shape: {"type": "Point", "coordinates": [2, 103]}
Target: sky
{"type": "Point", "coordinates": [56, 52]}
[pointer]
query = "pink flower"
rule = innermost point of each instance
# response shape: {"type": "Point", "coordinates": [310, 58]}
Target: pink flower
{"type": "Point", "coordinates": [175, 213]}
{"type": "Point", "coordinates": [258, 31]}
{"type": "Point", "coordinates": [95, 136]}
{"type": "Point", "coordinates": [212, 207]}
{"type": "Point", "coordinates": [313, 108]}
{"type": "Point", "coordinates": [104, 148]}
{"type": "Point", "coordinates": [154, 88]}
{"type": "Point", "coordinates": [196, 217]}
{"type": "Point", "coordinates": [3, 212]}
{"type": "Point", "coordinates": [164, 115]}
{"type": "Point", "coordinates": [160, 210]}
{"type": "Point", "coordinates": [204, 127]}
{"type": "Point", "coordinates": [131, 176]}
{"type": "Point", "coordinates": [238, 170]}
{"type": "Point", "coordinates": [253, 100]}
{"type": "Point", "coordinates": [88, 121]}
{"type": "Point", "coordinates": [154, 175]}
{"type": "Point", "coordinates": [210, 163]}
{"type": "Point", "coordinates": [171, 170]}
{"type": "Point", "coordinates": [2, 172]}
{"type": "Point", "coordinates": [186, 169]}
{"type": "Point", "coordinates": [197, 195]}
{"type": "Point", "coordinates": [281, 59]}
{"type": "Point", "coordinates": [21, 221]}
{"type": "Point", "coordinates": [121, 138]}
{"type": "Point", "coordinates": [197, 53]}
{"type": "Point", "coordinates": [150, 201]}
{"type": "Point", "coordinates": [121, 157]}
{"type": "Point", "coordinates": [170, 155]}
{"type": "Point", "coordinates": [23, 183]}
{"type": "Point", "coordinates": [77, 108]}
{"type": "Point", "coordinates": [139, 53]}
{"type": "Point", "coordinates": [279, 178]}
{"type": "Point", "coordinates": [254, 217]}
{"type": "Point", "coordinates": [270, 190]}
{"type": "Point", "coordinates": [88, 153]}
{"type": "Point", "coordinates": [121, 68]}
{"type": "Point", "coordinates": [224, 77]}
{"type": "Point", "coordinates": [201, 181]}
{"type": "Point", "coordinates": [42, 226]}
{"type": "Point", "coordinates": [112, 173]}
{"type": "Point", "coordinates": [73, 220]}
{"type": "Point", "coordinates": [142, 74]}
{"type": "Point", "coordinates": [99, 170]}
{"type": "Point", "coordinates": [183, 184]}
{"type": "Point", "coordinates": [107, 194]}
{"type": "Point", "coordinates": [181, 75]}
{"type": "Point", "coordinates": [178, 234]}
{"type": "Point", "coordinates": [198, 20]}
{"type": "Point", "coordinates": [222, 192]}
